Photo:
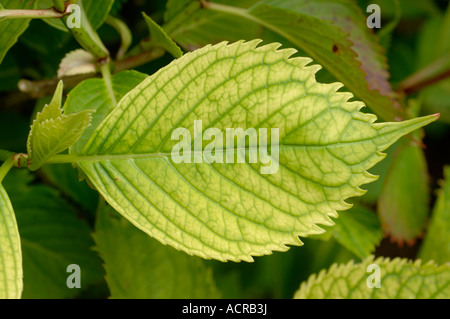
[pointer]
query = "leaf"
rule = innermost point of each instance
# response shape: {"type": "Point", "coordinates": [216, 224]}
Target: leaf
{"type": "Point", "coordinates": [358, 230]}
{"type": "Point", "coordinates": [436, 245]}
{"type": "Point", "coordinates": [159, 38]}
{"type": "Point", "coordinates": [53, 237]}
{"type": "Point", "coordinates": [349, 18]}
{"type": "Point", "coordinates": [92, 94]}
{"type": "Point", "coordinates": [193, 28]}
{"type": "Point", "coordinates": [96, 12]}
{"type": "Point", "coordinates": [11, 284]}
{"type": "Point", "coordinates": [404, 199]}
{"type": "Point", "coordinates": [12, 28]}
{"type": "Point", "coordinates": [399, 279]}
{"type": "Point", "coordinates": [332, 33]}
{"type": "Point", "coordinates": [53, 132]}
{"type": "Point", "coordinates": [231, 211]}
{"type": "Point", "coordinates": [166, 272]}
{"type": "Point", "coordinates": [77, 62]}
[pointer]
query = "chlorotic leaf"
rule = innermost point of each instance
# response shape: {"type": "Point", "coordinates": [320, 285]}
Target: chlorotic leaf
{"type": "Point", "coordinates": [232, 211]}
{"type": "Point", "coordinates": [11, 274]}
{"type": "Point", "coordinates": [53, 132]}
{"type": "Point", "coordinates": [77, 62]}
{"type": "Point", "coordinates": [166, 272]}
{"type": "Point", "coordinates": [436, 245]}
{"type": "Point", "coordinates": [404, 199]}
{"type": "Point", "coordinates": [159, 38]}
{"type": "Point", "coordinates": [398, 279]}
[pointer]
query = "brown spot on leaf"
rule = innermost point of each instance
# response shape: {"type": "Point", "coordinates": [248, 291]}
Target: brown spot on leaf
{"type": "Point", "coordinates": [335, 48]}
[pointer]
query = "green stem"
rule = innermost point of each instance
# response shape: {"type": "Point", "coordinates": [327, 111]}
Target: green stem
{"type": "Point", "coordinates": [125, 35]}
{"type": "Point", "coordinates": [4, 155]}
{"type": "Point", "coordinates": [31, 14]}
{"type": "Point", "coordinates": [106, 74]}
{"type": "Point", "coordinates": [6, 166]}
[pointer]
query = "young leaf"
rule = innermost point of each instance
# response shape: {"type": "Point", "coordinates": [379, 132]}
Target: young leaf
{"type": "Point", "coordinates": [399, 279]}
{"type": "Point", "coordinates": [166, 272]}
{"type": "Point", "coordinates": [231, 210]}
{"type": "Point", "coordinates": [52, 237]}
{"type": "Point", "coordinates": [403, 202]}
{"type": "Point", "coordinates": [159, 38]}
{"type": "Point", "coordinates": [358, 230]}
{"type": "Point", "coordinates": [12, 29]}
{"type": "Point", "coordinates": [436, 245]}
{"type": "Point", "coordinates": [92, 94]}
{"type": "Point", "coordinates": [11, 284]}
{"type": "Point", "coordinates": [53, 132]}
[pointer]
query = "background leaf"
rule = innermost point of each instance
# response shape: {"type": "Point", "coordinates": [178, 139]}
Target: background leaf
{"type": "Point", "coordinates": [12, 29]}
{"type": "Point", "coordinates": [404, 199]}
{"type": "Point", "coordinates": [52, 237]}
{"type": "Point", "coordinates": [436, 245]}
{"type": "Point", "coordinates": [166, 272]}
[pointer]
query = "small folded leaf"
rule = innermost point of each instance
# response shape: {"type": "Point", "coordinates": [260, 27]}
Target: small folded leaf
{"type": "Point", "coordinates": [436, 245]}
{"type": "Point", "coordinates": [11, 284]}
{"type": "Point", "coordinates": [77, 62]}
{"type": "Point", "coordinates": [233, 210]}
{"type": "Point", "coordinates": [53, 132]}
{"type": "Point", "coordinates": [159, 38]}
{"type": "Point", "coordinates": [398, 279]}
{"type": "Point", "coordinates": [167, 273]}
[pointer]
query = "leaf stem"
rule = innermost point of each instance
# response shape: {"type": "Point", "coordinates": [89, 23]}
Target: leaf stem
{"type": "Point", "coordinates": [60, 6]}
{"type": "Point", "coordinates": [6, 167]}
{"type": "Point", "coordinates": [125, 35]}
{"type": "Point", "coordinates": [31, 14]}
{"type": "Point", "coordinates": [106, 74]}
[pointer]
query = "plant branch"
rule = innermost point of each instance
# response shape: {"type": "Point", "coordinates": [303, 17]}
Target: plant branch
{"type": "Point", "coordinates": [42, 88]}
{"type": "Point", "coordinates": [432, 73]}
{"type": "Point", "coordinates": [106, 74]}
{"type": "Point", "coordinates": [5, 167]}
{"type": "Point", "coordinates": [32, 14]}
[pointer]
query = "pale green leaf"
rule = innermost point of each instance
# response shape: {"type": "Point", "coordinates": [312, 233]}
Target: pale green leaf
{"type": "Point", "coordinates": [11, 283]}
{"type": "Point", "coordinates": [358, 230]}
{"type": "Point", "coordinates": [132, 258]}
{"type": "Point", "coordinates": [404, 199]}
{"type": "Point", "coordinates": [53, 132]}
{"type": "Point", "coordinates": [436, 245]}
{"type": "Point", "coordinates": [231, 210]}
{"type": "Point", "coordinates": [399, 279]}
{"type": "Point", "coordinates": [92, 94]}
{"type": "Point", "coordinates": [159, 38]}
{"type": "Point", "coordinates": [11, 29]}
{"type": "Point", "coordinates": [53, 236]}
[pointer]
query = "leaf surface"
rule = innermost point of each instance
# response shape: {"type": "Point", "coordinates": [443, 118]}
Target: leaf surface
{"type": "Point", "coordinates": [233, 210]}
{"type": "Point", "coordinates": [11, 273]}
{"type": "Point", "coordinates": [399, 279]}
